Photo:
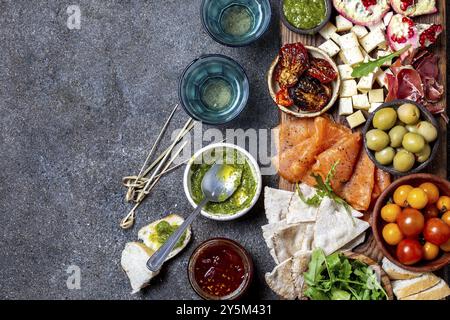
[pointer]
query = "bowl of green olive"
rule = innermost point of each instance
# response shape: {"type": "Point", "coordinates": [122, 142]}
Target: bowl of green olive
{"type": "Point", "coordinates": [401, 137]}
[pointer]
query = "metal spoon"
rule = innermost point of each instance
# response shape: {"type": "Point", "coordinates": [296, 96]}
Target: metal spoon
{"type": "Point", "coordinates": [218, 184]}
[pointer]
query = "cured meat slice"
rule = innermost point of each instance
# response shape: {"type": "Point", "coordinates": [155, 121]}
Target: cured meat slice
{"type": "Point", "coordinates": [358, 191]}
{"type": "Point", "coordinates": [346, 152]}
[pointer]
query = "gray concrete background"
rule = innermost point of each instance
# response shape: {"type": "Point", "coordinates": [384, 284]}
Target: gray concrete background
{"type": "Point", "coordinates": [78, 111]}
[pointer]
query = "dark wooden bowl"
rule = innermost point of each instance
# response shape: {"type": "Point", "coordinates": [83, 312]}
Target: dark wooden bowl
{"type": "Point", "coordinates": [384, 279]}
{"type": "Point", "coordinates": [425, 115]}
{"type": "Point", "coordinates": [378, 223]}
{"type": "Point", "coordinates": [307, 31]}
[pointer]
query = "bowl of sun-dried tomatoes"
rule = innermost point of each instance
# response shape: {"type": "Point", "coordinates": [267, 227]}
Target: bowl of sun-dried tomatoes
{"type": "Point", "coordinates": [303, 81]}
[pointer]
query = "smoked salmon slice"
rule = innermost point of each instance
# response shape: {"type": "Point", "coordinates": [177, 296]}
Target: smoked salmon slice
{"type": "Point", "coordinates": [295, 131]}
{"type": "Point", "coordinates": [382, 181]}
{"type": "Point", "coordinates": [358, 191]}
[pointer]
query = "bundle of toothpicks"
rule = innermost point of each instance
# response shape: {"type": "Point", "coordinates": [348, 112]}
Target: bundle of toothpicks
{"type": "Point", "coordinates": [140, 185]}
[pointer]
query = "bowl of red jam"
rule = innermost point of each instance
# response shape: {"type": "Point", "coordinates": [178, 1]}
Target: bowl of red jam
{"type": "Point", "coordinates": [220, 269]}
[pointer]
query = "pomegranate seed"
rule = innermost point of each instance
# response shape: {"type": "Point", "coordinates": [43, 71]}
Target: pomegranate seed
{"type": "Point", "coordinates": [368, 3]}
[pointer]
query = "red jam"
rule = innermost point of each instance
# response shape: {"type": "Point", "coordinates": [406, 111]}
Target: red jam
{"type": "Point", "coordinates": [368, 3]}
{"type": "Point", "coordinates": [406, 4]}
{"type": "Point", "coordinates": [430, 35]}
{"type": "Point", "coordinates": [219, 270]}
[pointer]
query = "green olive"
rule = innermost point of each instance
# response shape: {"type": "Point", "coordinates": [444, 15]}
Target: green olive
{"type": "Point", "coordinates": [413, 142]}
{"type": "Point", "coordinates": [377, 139]}
{"type": "Point", "coordinates": [396, 135]}
{"type": "Point", "coordinates": [403, 161]}
{"type": "Point", "coordinates": [424, 155]}
{"type": "Point", "coordinates": [385, 156]}
{"type": "Point", "coordinates": [408, 113]}
{"type": "Point", "coordinates": [412, 128]}
{"type": "Point", "coordinates": [384, 119]}
{"type": "Point", "coordinates": [427, 130]}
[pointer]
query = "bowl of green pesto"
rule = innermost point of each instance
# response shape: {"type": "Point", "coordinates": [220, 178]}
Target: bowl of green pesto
{"type": "Point", "coordinates": [246, 194]}
{"type": "Point", "coordinates": [305, 16]}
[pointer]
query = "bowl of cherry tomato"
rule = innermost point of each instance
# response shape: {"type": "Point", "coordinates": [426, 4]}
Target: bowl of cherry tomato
{"type": "Point", "coordinates": [411, 222]}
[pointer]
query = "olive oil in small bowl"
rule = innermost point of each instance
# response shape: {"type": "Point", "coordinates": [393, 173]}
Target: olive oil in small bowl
{"type": "Point", "coordinates": [236, 23]}
{"type": "Point", "coordinates": [214, 89]}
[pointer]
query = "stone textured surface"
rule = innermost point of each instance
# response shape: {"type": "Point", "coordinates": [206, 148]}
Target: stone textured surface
{"type": "Point", "coordinates": [78, 111]}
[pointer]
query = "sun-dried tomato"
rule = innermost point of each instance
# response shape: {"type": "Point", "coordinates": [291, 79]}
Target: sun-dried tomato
{"type": "Point", "coordinates": [322, 70]}
{"type": "Point", "coordinates": [310, 95]}
{"type": "Point", "coordinates": [283, 98]}
{"type": "Point", "coordinates": [293, 61]}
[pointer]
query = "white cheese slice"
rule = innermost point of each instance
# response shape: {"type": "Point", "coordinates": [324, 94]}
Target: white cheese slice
{"type": "Point", "coordinates": [330, 48]}
{"type": "Point", "coordinates": [365, 83]}
{"type": "Point", "coordinates": [343, 24]}
{"type": "Point", "coordinates": [360, 31]}
{"type": "Point", "coordinates": [328, 30]}
{"type": "Point", "coordinates": [374, 106]}
{"type": "Point", "coordinates": [383, 53]}
{"type": "Point", "coordinates": [351, 56]}
{"type": "Point", "coordinates": [376, 95]}
{"type": "Point", "coordinates": [360, 101]}
{"type": "Point", "coordinates": [349, 40]}
{"type": "Point", "coordinates": [345, 71]}
{"type": "Point", "coordinates": [373, 39]}
{"type": "Point", "coordinates": [356, 119]}
{"type": "Point", "coordinates": [348, 89]}
{"type": "Point", "coordinates": [345, 106]}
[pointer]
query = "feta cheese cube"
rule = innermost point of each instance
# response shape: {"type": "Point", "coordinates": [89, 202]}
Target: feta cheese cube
{"type": "Point", "coordinates": [335, 37]}
{"type": "Point", "coordinates": [349, 40]}
{"type": "Point", "coordinates": [328, 30]}
{"type": "Point", "coordinates": [360, 31]}
{"type": "Point", "coordinates": [373, 39]}
{"type": "Point", "coordinates": [330, 48]}
{"type": "Point", "coordinates": [380, 77]}
{"type": "Point", "coordinates": [356, 119]}
{"type": "Point", "coordinates": [343, 24]}
{"type": "Point", "coordinates": [348, 89]}
{"type": "Point", "coordinates": [376, 95]}
{"type": "Point", "coordinates": [345, 71]}
{"type": "Point", "coordinates": [360, 101]}
{"type": "Point", "coordinates": [345, 106]}
{"type": "Point", "coordinates": [382, 53]}
{"type": "Point", "coordinates": [374, 106]}
{"type": "Point", "coordinates": [351, 56]}
{"type": "Point", "coordinates": [365, 83]}
{"type": "Point", "coordinates": [379, 25]}
{"type": "Point", "coordinates": [387, 18]}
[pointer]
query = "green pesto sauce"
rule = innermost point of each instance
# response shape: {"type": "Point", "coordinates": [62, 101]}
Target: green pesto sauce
{"type": "Point", "coordinates": [243, 195]}
{"type": "Point", "coordinates": [304, 14]}
{"type": "Point", "coordinates": [163, 231]}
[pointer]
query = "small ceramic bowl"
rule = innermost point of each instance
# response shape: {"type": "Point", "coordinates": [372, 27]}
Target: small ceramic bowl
{"type": "Point", "coordinates": [312, 31]}
{"type": "Point", "coordinates": [425, 115]}
{"type": "Point", "coordinates": [257, 14]}
{"type": "Point", "coordinates": [255, 170]}
{"type": "Point", "coordinates": [238, 249]}
{"type": "Point", "coordinates": [378, 223]}
{"type": "Point", "coordinates": [207, 71]}
{"type": "Point", "coordinates": [274, 87]}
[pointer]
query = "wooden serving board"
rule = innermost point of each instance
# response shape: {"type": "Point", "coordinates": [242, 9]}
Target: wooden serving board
{"type": "Point", "coordinates": [439, 165]}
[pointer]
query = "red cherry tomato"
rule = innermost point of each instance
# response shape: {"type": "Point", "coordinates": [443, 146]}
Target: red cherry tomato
{"type": "Point", "coordinates": [430, 211]}
{"type": "Point", "coordinates": [436, 231]}
{"type": "Point", "coordinates": [409, 251]}
{"type": "Point", "coordinates": [410, 222]}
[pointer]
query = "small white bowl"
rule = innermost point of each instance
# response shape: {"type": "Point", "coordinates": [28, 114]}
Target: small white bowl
{"type": "Point", "coordinates": [256, 174]}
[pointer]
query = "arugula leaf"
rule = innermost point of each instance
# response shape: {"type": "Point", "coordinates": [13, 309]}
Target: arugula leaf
{"type": "Point", "coordinates": [365, 68]}
{"type": "Point", "coordinates": [314, 201]}
{"type": "Point", "coordinates": [338, 294]}
{"type": "Point", "coordinates": [315, 267]}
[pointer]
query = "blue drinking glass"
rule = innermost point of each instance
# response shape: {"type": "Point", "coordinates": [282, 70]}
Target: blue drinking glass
{"type": "Point", "coordinates": [213, 89]}
{"type": "Point", "coordinates": [236, 23]}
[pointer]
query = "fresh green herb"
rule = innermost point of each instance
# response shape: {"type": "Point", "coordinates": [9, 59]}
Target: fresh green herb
{"type": "Point", "coordinates": [324, 189]}
{"type": "Point", "coordinates": [336, 277]}
{"type": "Point", "coordinates": [365, 68]}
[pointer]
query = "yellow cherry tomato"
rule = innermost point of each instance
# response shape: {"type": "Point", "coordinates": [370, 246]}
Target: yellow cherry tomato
{"type": "Point", "coordinates": [431, 190]}
{"type": "Point", "coordinates": [430, 251]}
{"type": "Point", "coordinates": [446, 246]}
{"type": "Point", "coordinates": [390, 212]}
{"type": "Point", "coordinates": [417, 198]}
{"type": "Point", "coordinates": [443, 203]}
{"type": "Point", "coordinates": [400, 195]}
{"type": "Point", "coordinates": [446, 217]}
{"type": "Point", "coordinates": [392, 234]}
